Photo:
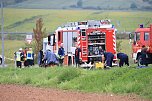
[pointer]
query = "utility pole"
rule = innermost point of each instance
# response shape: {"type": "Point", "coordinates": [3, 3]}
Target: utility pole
{"type": "Point", "coordinates": [2, 31]}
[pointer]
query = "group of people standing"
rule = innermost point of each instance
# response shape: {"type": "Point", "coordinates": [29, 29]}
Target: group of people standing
{"type": "Point", "coordinates": [24, 57]}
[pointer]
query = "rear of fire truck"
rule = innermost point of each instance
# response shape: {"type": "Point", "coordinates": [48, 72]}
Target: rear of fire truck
{"type": "Point", "coordinates": [88, 35]}
{"type": "Point", "coordinates": [98, 35]}
{"type": "Point", "coordinates": [142, 37]}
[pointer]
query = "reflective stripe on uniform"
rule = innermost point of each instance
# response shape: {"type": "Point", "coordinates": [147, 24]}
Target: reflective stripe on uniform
{"type": "Point", "coordinates": [18, 56]}
{"type": "Point", "coordinates": [29, 55]}
{"type": "Point", "coordinates": [60, 57]}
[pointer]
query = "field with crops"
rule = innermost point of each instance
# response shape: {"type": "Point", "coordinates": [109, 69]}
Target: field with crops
{"type": "Point", "coordinates": [23, 20]}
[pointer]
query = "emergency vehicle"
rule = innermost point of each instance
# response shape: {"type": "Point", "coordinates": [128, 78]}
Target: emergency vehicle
{"type": "Point", "coordinates": [89, 35]}
{"type": "Point", "coordinates": [142, 36]}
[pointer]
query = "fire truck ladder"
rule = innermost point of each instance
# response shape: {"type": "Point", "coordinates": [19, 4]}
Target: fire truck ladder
{"type": "Point", "coordinates": [84, 51]}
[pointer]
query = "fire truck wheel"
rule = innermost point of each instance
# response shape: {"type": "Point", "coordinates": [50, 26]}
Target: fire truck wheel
{"type": "Point", "coordinates": [139, 61]}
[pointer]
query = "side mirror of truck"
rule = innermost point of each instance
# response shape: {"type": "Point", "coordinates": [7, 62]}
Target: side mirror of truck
{"type": "Point", "coordinates": [131, 38]}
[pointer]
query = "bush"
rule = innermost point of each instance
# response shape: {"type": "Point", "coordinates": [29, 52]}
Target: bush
{"type": "Point", "coordinates": [67, 75]}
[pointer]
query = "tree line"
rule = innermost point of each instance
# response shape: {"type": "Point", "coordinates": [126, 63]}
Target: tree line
{"type": "Point", "coordinates": [11, 2]}
{"type": "Point", "coordinates": [80, 5]}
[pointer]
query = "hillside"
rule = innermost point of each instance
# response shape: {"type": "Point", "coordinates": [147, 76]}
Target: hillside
{"type": "Point", "coordinates": [76, 4]}
{"type": "Point", "coordinates": [23, 20]}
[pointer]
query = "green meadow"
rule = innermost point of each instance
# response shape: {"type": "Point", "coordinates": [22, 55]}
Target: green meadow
{"type": "Point", "coordinates": [10, 47]}
{"type": "Point", "coordinates": [127, 80]}
{"type": "Point", "coordinates": [23, 20]}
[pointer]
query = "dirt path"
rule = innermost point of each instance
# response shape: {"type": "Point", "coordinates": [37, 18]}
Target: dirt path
{"type": "Point", "coordinates": [26, 93]}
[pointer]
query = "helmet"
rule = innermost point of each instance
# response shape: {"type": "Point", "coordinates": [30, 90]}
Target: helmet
{"type": "Point", "coordinates": [20, 49]}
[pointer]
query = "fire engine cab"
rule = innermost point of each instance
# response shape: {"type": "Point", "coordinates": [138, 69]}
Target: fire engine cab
{"type": "Point", "coordinates": [142, 36]}
{"type": "Point", "coordinates": [88, 35]}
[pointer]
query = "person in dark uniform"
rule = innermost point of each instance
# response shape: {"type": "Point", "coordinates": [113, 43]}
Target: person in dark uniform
{"type": "Point", "coordinates": [30, 57]}
{"type": "Point", "coordinates": [0, 60]}
{"type": "Point", "coordinates": [40, 58]}
{"type": "Point", "coordinates": [144, 55]}
{"type": "Point", "coordinates": [61, 54]}
{"type": "Point", "coordinates": [108, 58]}
{"type": "Point", "coordinates": [77, 56]}
{"type": "Point", "coordinates": [25, 57]}
{"type": "Point", "coordinates": [123, 59]}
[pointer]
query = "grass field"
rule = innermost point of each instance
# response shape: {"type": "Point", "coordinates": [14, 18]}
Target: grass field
{"type": "Point", "coordinates": [23, 20]}
{"type": "Point", "coordinates": [116, 80]}
{"type": "Point", "coordinates": [11, 46]}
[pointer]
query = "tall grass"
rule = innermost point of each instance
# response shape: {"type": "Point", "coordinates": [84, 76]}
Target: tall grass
{"type": "Point", "coordinates": [117, 80]}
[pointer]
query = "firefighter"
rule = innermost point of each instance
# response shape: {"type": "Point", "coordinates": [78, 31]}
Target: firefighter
{"type": "Point", "coordinates": [50, 58]}
{"type": "Point", "coordinates": [107, 57]}
{"type": "Point", "coordinates": [30, 57]}
{"type": "Point", "coordinates": [77, 56]}
{"type": "Point", "coordinates": [25, 57]}
{"type": "Point", "coordinates": [40, 58]}
{"type": "Point", "coordinates": [18, 58]}
{"type": "Point", "coordinates": [144, 51]}
{"type": "Point", "coordinates": [123, 59]}
{"type": "Point", "coordinates": [0, 60]}
{"type": "Point", "coordinates": [61, 54]}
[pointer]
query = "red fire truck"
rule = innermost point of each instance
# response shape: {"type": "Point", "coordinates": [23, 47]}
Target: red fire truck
{"type": "Point", "coordinates": [142, 36]}
{"type": "Point", "coordinates": [89, 35]}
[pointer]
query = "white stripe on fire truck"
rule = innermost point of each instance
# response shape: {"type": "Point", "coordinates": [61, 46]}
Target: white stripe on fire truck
{"type": "Point", "coordinates": [114, 42]}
